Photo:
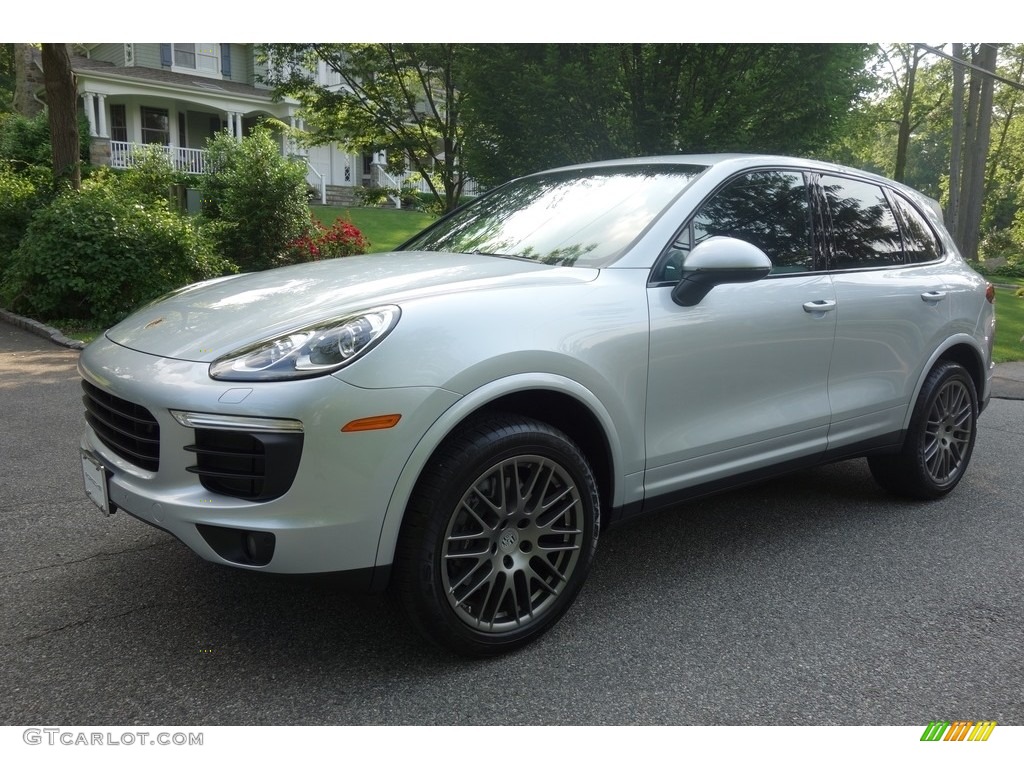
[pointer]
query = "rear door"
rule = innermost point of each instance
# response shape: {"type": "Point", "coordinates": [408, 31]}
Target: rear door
{"type": "Point", "coordinates": [893, 308]}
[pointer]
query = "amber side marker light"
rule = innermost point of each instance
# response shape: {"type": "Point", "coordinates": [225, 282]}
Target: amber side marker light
{"type": "Point", "coordinates": [372, 422]}
{"type": "Point", "coordinates": [990, 293]}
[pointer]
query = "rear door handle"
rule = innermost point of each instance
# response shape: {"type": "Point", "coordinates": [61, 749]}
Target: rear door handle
{"type": "Point", "coordinates": [933, 297]}
{"type": "Point", "coordinates": [819, 306]}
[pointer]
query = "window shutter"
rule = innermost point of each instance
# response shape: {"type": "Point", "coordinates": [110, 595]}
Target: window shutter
{"type": "Point", "coordinates": [225, 59]}
{"type": "Point", "coordinates": [165, 54]}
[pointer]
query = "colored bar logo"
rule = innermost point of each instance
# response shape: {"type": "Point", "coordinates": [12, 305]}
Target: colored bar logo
{"type": "Point", "coordinates": [958, 730]}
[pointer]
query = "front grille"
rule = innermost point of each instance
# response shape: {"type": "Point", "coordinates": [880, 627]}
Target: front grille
{"type": "Point", "coordinates": [127, 429]}
{"type": "Point", "coordinates": [255, 466]}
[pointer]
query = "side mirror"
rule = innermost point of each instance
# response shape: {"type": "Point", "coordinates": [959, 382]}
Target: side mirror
{"type": "Point", "coordinates": [716, 261]}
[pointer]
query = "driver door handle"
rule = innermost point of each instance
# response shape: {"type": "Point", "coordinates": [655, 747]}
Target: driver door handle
{"type": "Point", "coordinates": [819, 306]}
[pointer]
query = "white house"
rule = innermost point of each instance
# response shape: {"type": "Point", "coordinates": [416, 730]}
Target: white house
{"type": "Point", "coordinates": [178, 95]}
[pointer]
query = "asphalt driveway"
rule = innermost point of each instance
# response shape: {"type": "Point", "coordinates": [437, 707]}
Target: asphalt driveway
{"type": "Point", "coordinates": [812, 599]}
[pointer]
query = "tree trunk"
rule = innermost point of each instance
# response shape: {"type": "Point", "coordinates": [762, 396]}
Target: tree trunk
{"type": "Point", "coordinates": [62, 102]}
{"type": "Point", "coordinates": [903, 138]}
{"type": "Point", "coordinates": [968, 157]}
{"type": "Point", "coordinates": [977, 152]}
{"type": "Point", "coordinates": [957, 142]}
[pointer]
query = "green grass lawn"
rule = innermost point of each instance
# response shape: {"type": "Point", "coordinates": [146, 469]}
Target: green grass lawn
{"type": "Point", "coordinates": [1009, 326]}
{"type": "Point", "coordinates": [385, 228]}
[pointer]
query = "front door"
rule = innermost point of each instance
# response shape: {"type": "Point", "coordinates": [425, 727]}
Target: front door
{"type": "Point", "coordinates": [740, 381]}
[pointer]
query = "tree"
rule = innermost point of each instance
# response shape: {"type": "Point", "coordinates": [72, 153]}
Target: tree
{"type": "Point", "coordinates": [903, 61]}
{"type": "Point", "coordinates": [62, 104]}
{"type": "Point", "coordinates": [977, 133]}
{"type": "Point", "coordinates": [957, 137]}
{"type": "Point", "coordinates": [531, 107]}
{"type": "Point", "coordinates": [542, 105]}
{"type": "Point", "coordinates": [398, 97]}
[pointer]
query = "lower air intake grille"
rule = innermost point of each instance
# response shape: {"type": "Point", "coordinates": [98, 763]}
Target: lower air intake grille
{"type": "Point", "coordinates": [255, 466]}
{"type": "Point", "coordinates": [127, 429]}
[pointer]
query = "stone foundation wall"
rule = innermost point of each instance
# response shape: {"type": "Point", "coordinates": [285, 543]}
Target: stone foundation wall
{"type": "Point", "coordinates": [99, 151]}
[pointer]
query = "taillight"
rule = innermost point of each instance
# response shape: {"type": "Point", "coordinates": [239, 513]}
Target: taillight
{"type": "Point", "coordinates": [990, 293]}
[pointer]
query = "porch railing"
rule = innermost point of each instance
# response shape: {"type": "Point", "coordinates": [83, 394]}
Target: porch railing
{"type": "Point", "coordinates": [416, 181]}
{"type": "Point", "coordinates": [315, 179]}
{"type": "Point", "coordinates": [123, 154]}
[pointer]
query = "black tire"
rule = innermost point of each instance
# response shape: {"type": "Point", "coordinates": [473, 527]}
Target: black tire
{"type": "Point", "coordinates": [498, 536]}
{"type": "Point", "coordinates": [940, 440]}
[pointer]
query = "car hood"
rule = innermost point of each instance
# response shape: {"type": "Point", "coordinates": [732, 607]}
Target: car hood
{"type": "Point", "coordinates": [207, 320]}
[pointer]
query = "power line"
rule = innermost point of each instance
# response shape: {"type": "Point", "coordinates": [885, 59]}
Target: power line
{"type": "Point", "coordinates": [969, 65]}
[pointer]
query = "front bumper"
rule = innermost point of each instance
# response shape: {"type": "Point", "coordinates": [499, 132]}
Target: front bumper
{"type": "Point", "coordinates": [330, 517]}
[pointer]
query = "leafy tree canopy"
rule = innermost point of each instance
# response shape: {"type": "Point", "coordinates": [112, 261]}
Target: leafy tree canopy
{"type": "Point", "coordinates": [533, 106]}
{"type": "Point", "coordinates": [398, 97]}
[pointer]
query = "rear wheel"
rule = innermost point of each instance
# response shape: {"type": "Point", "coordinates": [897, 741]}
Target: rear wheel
{"type": "Point", "coordinates": [940, 440]}
{"type": "Point", "coordinates": [498, 537]}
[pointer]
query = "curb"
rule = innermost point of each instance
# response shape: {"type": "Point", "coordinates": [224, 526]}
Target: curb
{"type": "Point", "coordinates": [40, 329]}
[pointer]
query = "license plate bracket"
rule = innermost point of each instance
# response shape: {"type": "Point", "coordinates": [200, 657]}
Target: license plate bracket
{"type": "Point", "coordinates": [95, 476]}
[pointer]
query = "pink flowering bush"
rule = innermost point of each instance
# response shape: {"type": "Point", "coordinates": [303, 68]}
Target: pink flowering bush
{"type": "Point", "coordinates": [320, 242]}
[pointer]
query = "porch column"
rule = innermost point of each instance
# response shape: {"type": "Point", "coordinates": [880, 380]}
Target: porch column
{"type": "Point", "coordinates": [235, 125]}
{"type": "Point", "coordinates": [292, 148]}
{"type": "Point", "coordinates": [101, 111]}
{"type": "Point", "coordinates": [89, 101]}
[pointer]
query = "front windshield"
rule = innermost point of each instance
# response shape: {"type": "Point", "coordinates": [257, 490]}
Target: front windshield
{"type": "Point", "coordinates": [585, 217]}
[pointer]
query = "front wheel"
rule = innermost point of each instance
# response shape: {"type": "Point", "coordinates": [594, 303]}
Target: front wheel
{"type": "Point", "coordinates": [498, 537]}
{"type": "Point", "coordinates": [940, 440]}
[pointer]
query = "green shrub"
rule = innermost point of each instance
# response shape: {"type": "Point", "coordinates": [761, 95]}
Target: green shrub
{"type": "Point", "coordinates": [97, 254]}
{"type": "Point", "coordinates": [254, 200]}
{"type": "Point", "coordinates": [20, 195]}
{"type": "Point", "coordinates": [25, 141]}
{"type": "Point", "coordinates": [371, 197]}
{"type": "Point", "coordinates": [151, 175]}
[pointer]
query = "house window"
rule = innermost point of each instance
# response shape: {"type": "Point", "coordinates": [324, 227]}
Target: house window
{"type": "Point", "coordinates": [202, 57]}
{"type": "Point", "coordinates": [118, 123]}
{"type": "Point", "coordinates": [185, 55]}
{"type": "Point", "coordinates": [155, 126]}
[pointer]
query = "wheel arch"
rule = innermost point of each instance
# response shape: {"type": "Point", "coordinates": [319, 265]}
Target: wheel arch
{"type": "Point", "coordinates": [964, 351]}
{"type": "Point", "coordinates": [971, 360]}
{"type": "Point", "coordinates": [560, 402]}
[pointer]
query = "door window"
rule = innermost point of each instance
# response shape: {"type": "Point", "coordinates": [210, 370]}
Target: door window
{"type": "Point", "coordinates": [769, 209]}
{"type": "Point", "coordinates": [864, 229]}
{"type": "Point", "coordinates": [920, 243]}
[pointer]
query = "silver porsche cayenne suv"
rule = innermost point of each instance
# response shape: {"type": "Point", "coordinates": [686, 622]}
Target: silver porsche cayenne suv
{"type": "Point", "coordinates": [459, 420]}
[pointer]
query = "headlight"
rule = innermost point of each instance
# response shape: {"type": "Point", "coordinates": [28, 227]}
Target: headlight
{"type": "Point", "coordinates": [311, 351]}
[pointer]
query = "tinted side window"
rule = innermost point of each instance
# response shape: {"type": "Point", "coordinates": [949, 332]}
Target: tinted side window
{"type": "Point", "coordinates": [864, 229]}
{"type": "Point", "coordinates": [768, 209]}
{"type": "Point", "coordinates": [919, 241]}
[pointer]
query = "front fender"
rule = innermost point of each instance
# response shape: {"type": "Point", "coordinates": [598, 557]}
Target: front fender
{"type": "Point", "coordinates": [473, 402]}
